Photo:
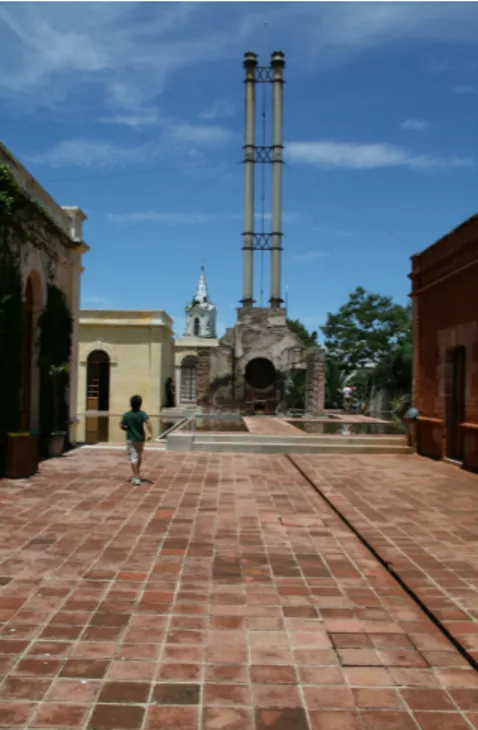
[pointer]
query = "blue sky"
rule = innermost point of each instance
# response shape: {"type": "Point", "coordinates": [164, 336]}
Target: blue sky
{"type": "Point", "coordinates": [134, 112]}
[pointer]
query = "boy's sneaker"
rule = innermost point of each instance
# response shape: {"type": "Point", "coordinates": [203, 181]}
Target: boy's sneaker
{"type": "Point", "coordinates": [136, 482]}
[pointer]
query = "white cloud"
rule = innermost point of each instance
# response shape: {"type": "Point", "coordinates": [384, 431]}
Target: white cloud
{"type": "Point", "coordinates": [343, 30]}
{"type": "Point", "coordinates": [96, 153]}
{"type": "Point", "coordinates": [136, 121]}
{"type": "Point", "coordinates": [463, 90]}
{"type": "Point", "coordinates": [91, 153]}
{"type": "Point", "coordinates": [415, 124]}
{"type": "Point", "coordinates": [353, 156]}
{"type": "Point", "coordinates": [308, 256]}
{"type": "Point", "coordinates": [205, 135]}
{"type": "Point", "coordinates": [220, 109]}
{"type": "Point", "coordinates": [126, 53]}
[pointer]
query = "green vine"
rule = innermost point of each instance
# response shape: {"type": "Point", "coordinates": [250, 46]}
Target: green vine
{"type": "Point", "coordinates": [25, 224]}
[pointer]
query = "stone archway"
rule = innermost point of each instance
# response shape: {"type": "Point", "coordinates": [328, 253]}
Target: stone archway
{"type": "Point", "coordinates": [97, 395]}
{"type": "Point", "coordinates": [188, 392]}
{"type": "Point", "coordinates": [260, 374]}
{"type": "Point", "coordinates": [260, 386]}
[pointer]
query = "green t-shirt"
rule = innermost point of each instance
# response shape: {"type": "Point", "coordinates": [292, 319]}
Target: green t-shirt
{"type": "Point", "coordinates": [134, 421]}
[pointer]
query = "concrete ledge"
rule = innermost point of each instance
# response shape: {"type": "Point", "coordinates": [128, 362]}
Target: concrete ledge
{"type": "Point", "coordinates": [180, 442]}
{"type": "Point", "coordinates": [285, 448]}
{"type": "Point", "coordinates": [267, 444]}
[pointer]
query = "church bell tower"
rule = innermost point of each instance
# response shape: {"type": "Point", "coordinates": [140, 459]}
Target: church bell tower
{"type": "Point", "coordinates": [201, 313]}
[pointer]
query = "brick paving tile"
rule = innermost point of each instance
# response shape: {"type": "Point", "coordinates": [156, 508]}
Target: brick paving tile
{"type": "Point", "coordinates": [422, 518]}
{"type": "Point", "coordinates": [54, 714]}
{"type": "Point", "coordinates": [119, 717]}
{"type": "Point", "coordinates": [336, 721]}
{"type": "Point", "coordinates": [281, 719]}
{"type": "Point", "coordinates": [224, 594]}
{"type": "Point", "coordinates": [172, 718]}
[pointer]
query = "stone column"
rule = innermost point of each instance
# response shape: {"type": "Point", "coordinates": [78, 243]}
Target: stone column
{"type": "Point", "coordinates": [315, 383]}
{"type": "Point", "coordinates": [250, 65]}
{"type": "Point", "coordinates": [277, 64]}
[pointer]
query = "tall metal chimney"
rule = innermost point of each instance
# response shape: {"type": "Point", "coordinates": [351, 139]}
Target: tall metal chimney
{"type": "Point", "coordinates": [250, 65]}
{"type": "Point", "coordinates": [277, 66]}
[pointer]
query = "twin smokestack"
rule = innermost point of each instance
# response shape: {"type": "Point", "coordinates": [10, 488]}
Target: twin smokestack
{"type": "Point", "coordinates": [273, 154]}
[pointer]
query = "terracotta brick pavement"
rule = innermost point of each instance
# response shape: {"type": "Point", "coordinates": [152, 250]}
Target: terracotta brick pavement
{"type": "Point", "coordinates": [224, 594]}
{"type": "Point", "coordinates": [422, 518]}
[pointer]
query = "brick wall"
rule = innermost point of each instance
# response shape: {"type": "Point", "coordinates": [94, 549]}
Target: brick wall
{"type": "Point", "coordinates": [445, 316]}
{"type": "Point", "coordinates": [203, 377]}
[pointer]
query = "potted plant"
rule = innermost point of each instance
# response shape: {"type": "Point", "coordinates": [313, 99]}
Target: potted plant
{"type": "Point", "coordinates": [57, 436]}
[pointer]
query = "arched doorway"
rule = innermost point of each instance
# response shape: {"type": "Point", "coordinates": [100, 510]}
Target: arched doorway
{"type": "Point", "coordinates": [188, 380]}
{"type": "Point", "coordinates": [260, 374]}
{"type": "Point", "coordinates": [97, 395]}
{"type": "Point", "coordinates": [27, 358]}
{"type": "Point", "coordinates": [260, 385]}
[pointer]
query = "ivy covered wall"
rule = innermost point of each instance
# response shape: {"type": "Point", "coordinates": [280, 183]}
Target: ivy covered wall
{"type": "Point", "coordinates": [26, 225]}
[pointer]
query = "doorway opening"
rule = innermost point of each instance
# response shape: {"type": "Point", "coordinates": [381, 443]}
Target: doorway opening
{"type": "Point", "coordinates": [188, 379]}
{"type": "Point", "coordinates": [455, 402]}
{"type": "Point", "coordinates": [97, 396]}
{"type": "Point", "coordinates": [260, 374]}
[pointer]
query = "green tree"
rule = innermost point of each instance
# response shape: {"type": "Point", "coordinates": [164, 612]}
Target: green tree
{"type": "Point", "coordinates": [297, 379]}
{"type": "Point", "coordinates": [309, 339]}
{"type": "Point", "coordinates": [368, 328]}
{"type": "Point", "coordinates": [334, 384]}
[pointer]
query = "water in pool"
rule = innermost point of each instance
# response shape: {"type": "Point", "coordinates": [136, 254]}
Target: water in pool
{"type": "Point", "coordinates": [354, 429]}
{"type": "Point", "coordinates": [226, 424]}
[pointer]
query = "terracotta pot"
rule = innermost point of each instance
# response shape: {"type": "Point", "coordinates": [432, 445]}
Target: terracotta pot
{"type": "Point", "coordinates": [56, 444]}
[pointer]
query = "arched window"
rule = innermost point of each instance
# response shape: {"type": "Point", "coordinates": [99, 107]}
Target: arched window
{"type": "Point", "coordinates": [197, 327]}
{"type": "Point", "coordinates": [188, 380]}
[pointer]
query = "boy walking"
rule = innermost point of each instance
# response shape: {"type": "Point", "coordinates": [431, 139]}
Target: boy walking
{"type": "Point", "coordinates": [134, 422]}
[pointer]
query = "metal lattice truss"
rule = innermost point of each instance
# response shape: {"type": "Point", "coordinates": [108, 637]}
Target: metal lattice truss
{"type": "Point", "coordinates": [263, 153]}
{"type": "Point", "coordinates": [262, 241]}
{"type": "Point", "coordinates": [263, 74]}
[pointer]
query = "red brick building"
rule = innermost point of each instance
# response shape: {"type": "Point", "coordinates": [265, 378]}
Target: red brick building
{"type": "Point", "coordinates": [445, 331]}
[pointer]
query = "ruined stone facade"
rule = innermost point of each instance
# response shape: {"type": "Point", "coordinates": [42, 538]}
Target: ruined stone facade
{"type": "Point", "coordinates": [248, 370]}
{"type": "Point", "coordinates": [445, 330]}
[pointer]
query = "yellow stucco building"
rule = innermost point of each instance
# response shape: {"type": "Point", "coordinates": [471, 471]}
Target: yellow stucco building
{"type": "Point", "coordinates": [121, 353]}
